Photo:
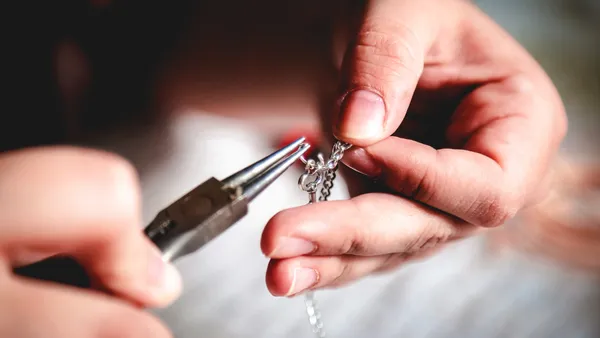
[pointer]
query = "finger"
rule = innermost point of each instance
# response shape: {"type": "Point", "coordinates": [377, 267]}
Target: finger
{"type": "Point", "coordinates": [382, 66]}
{"type": "Point", "coordinates": [368, 225]}
{"type": "Point", "coordinates": [507, 132]}
{"type": "Point", "coordinates": [396, 261]}
{"type": "Point", "coordinates": [82, 203]}
{"type": "Point", "coordinates": [47, 310]}
{"type": "Point", "coordinates": [288, 277]}
{"type": "Point", "coordinates": [25, 256]}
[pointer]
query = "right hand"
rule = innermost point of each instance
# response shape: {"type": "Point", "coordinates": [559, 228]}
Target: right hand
{"type": "Point", "coordinates": [85, 204]}
{"type": "Point", "coordinates": [454, 122]}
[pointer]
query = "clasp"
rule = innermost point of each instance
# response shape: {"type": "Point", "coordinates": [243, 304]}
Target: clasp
{"type": "Point", "coordinates": [314, 173]}
{"type": "Point", "coordinates": [311, 178]}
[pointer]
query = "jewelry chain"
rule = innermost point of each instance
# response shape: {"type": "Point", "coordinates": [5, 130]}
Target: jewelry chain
{"type": "Point", "coordinates": [318, 172]}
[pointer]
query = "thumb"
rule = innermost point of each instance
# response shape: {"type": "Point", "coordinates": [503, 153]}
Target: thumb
{"type": "Point", "coordinates": [381, 69]}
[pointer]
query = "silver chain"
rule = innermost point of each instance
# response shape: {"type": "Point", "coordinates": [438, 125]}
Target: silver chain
{"type": "Point", "coordinates": [319, 172]}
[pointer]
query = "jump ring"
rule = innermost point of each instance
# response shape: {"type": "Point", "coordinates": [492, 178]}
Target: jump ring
{"type": "Point", "coordinates": [311, 185]}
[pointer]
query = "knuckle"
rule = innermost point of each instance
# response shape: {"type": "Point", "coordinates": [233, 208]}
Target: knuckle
{"type": "Point", "coordinates": [350, 245]}
{"type": "Point", "coordinates": [342, 274]}
{"type": "Point", "coordinates": [390, 43]}
{"type": "Point", "coordinates": [356, 246]}
{"type": "Point", "coordinates": [419, 181]}
{"type": "Point", "coordinates": [425, 241]}
{"type": "Point", "coordinates": [423, 186]}
{"type": "Point", "coordinates": [497, 208]}
{"type": "Point", "coordinates": [357, 240]}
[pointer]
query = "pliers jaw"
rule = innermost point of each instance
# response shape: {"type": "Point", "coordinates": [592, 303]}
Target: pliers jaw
{"type": "Point", "coordinates": [214, 206]}
{"type": "Point", "coordinates": [255, 178]}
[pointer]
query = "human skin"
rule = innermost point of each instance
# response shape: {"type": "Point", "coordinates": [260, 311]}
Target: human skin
{"type": "Point", "coordinates": [446, 111]}
{"type": "Point", "coordinates": [467, 154]}
{"type": "Point", "coordinates": [86, 204]}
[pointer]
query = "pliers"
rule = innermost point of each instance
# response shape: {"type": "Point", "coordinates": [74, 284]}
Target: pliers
{"type": "Point", "coordinates": [191, 221]}
{"type": "Point", "coordinates": [214, 206]}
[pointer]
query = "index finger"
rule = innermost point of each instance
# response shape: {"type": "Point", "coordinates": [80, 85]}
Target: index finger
{"type": "Point", "coordinates": [508, 132]}
{"type": "Point", "coordinates": [367, 225]}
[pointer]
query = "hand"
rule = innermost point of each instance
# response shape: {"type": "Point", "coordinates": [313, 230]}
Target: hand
{"type": "Point", "coordinates": [84, 204]}
{"type": "Point", "coordinates": [451, 115]}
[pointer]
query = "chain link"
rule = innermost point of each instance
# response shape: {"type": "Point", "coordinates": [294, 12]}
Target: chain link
{"type": "Point", "coordinates": [336, 156]}
{"type": "Point", "coordinates": [318, 172]}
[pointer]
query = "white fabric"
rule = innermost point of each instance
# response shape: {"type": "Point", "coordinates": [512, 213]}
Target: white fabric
{"type": "Point", "coordinates": [463, 292]}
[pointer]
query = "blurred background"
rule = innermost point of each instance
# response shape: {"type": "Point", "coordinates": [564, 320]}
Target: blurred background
{"type": "Point", "coordinates": [195, 88]}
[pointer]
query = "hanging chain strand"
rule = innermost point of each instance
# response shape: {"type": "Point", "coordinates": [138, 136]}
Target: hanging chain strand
{"type": "Point", "coordinates": [336, 156]}
{"type": "Point", "coordinates": [318, 173]}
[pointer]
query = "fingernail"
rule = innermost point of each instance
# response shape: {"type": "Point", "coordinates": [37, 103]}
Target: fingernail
{"type": "Point", "coordinates": [359, 160]}
{"type": "Point", "coordinates": [163, 278]}
{"type": "Point", "coordinates": [304, 278]}
{"type": "Point", "coordinates": [290, 247]}
{"type": "Point", "coordinates": [362, 114]}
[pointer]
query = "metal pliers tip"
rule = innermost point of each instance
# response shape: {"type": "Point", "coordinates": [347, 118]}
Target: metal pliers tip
{"type": "Point", "coordinates": [214, 206]}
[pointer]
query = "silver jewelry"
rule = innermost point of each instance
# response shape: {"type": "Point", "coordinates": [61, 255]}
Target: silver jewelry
{"type": "Point", "coordinates": [319, 173]}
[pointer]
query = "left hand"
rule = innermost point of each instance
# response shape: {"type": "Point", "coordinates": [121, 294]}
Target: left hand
{"type": "Point", "coordinates": [452, 115]}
